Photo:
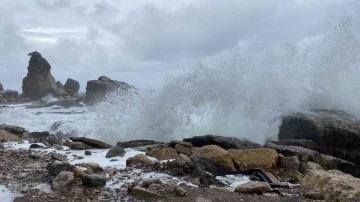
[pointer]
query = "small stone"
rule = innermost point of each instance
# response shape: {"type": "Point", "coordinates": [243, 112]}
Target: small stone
{"type": "Point", "coordinates": [94, 180]}
{"type": "Point", "coordinates": [253, 188]}
{"type": "Point", "coordinates": [88, 153]}
{"type": "Point", "coordinates": [35, 146]}
{"type": "Point", "coordinates": [57, 167]}
{"type": "Point", "coordinates": [140, 192]}
{"type": "Point", "coordinates": [179, 191]}
{"type": "Point", "coordinates": [115, 151]}
{"type": "Point", "coordinates": [196, 181]}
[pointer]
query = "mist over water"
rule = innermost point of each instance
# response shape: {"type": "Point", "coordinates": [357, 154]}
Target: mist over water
{"type": "Point", "coordinates": [243, 94]}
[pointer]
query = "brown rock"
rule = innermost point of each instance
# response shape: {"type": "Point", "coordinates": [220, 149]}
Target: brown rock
{"type": "Point", "coordinates": [254, 158]}
{"type": "Point", "coordinates": [316, 195]}
{"type": "Point", "coordinates": [313, 166]}
{"type": "Point", "coordinates": [91, 142]}
{"type": "Point", "coordinates": [163, 153]}
{"type": "Point", "coordinates": [140, 192]}
{"type": "Point", "coordinates": [62, 180]}
{"type": "Point", "coordinates": [216, 154]}
{"type": "Point", "coordinates": [183, 150]}
{"type": "Point", "coordinates": [334, 185]}
{"type": "Point", "coordinates": [7, 137]}
{"type": "Point", "coordinates": [253, 187]}
{"type": "Point", "coordinates": [289, 162]}
{"type": "Point", "coordinates": [78, 173]}
{"type": "Point", "coordinates": [139, 159]}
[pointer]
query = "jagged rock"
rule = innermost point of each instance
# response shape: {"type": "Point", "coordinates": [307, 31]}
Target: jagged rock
{"type": "Point", "coordinates": [58, 157]}
{"type": "Point", "coordinates": [77, 146]}
{"type": "Point", "coordinates": [39, 81]}
{"type": "Point", "coordinates": [96, 90]}
{"type": "Point", "coordinates": [7, 137]}
{"type": "Point", "coordinates": [72, 86]}
{"type": "Point", "coordinates": [326, 161]}
{"type": "Point", "coordinates": [147, 182]}
{"type": "Point", "coordinates": [115, 151]}
{"type": "Point", "coordinates": [224, 142]}
{"type": "Point", "coordinates": [254, 158]}
{"type": "Point", "coordinates": [163, 153]}
{"type": "Point", "coordinates": [62, 181]}
{"type": "Point", "coordinates": [140, 192]}
{"type": "Point", "coordinates": [91, 142]}
{"type": "Point", "coordinates": [94, 180]}
{"type": "Point", "coordinates": [335, 132]}
{"type": "Point", "coordinates": [57, 167]}
{"type": "Point", "coordinates": [211, 166]}
{"type": "Point", "coordinates": [253, 187]}
{"type": "Point", "coordinates": [11, 94]}
{"type": "Point", "coordinates": [139, 159]}
{"type": "Point", "coordinates": [179, 191]}
{"type": "Point", "coordinates": [136, 143]}
{"type": "Point", "coordinates": [333, 184]}
{"type": "Point", "coordinates": [217, 154]}
{"type": "Point", "coordinates": [16, 130]}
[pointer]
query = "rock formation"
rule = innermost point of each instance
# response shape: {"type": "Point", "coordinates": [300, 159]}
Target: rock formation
{"type": "Point", "coordinates": [96, 90]}
{"type": "Point", "coordinates": [72, 86]}
{"type": "Point", "coordinates": [39, 81]}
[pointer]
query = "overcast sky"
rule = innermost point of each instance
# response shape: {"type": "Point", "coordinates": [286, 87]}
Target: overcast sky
{"type": "Point", "coordinates": [140, 41]}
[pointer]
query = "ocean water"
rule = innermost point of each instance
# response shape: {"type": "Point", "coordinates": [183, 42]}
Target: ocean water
{"type": "Point", "coordinates": [237, 93]}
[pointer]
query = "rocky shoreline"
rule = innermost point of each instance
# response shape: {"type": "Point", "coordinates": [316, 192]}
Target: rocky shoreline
{"type": "Point", "coordinates": [41, 166]}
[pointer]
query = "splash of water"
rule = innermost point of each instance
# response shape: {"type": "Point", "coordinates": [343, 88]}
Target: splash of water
{"type": "Point", "coordinates": [242, 95]}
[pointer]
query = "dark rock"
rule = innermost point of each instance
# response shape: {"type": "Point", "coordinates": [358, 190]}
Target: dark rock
{"type": "Point", "coordinates": [58, 157]}
{"type": "Point", "coordinates": [94, 180]}
{"type": "Point", "coordinates": [16, 130]}
{"type": "Point", "coordinates": [180, 168]}
{"type": "Point", "coordinates": [96, 90]}
{"type": "Point", "coordinates": [39, 81]}
{"type": "Point", "coordinates": [115, 151]}
{"type": "Point", "coordinates": [88, 153]}
{"type": "Point", "coordinates": [213, 167]}
{"type": "Point", "coordinates": [91, 142]}
{"type": "Point", "coordinates": [11, 94]}
{"type": "Point", "coordinates": [77, 146]}
{"type": "Point", "coordinates": [136, 143]}
{"type": "Point", "coordinates": [224, 142]}
{"type": "Point", "coordinates": [57, 167]}
{"type": "Point", "coordinates": [309, 144]}
{"type": "Point", "coordinates": [182, 147]}
{"type": "Point", "coordinates": [35, 146]}
{"type": "Point", "coordinates": [335, 132]}
{"type": "Point", "coordinates": [59, 84]}
{"type": "Point", "coordinates": [39, 135]}
{"type": "Point", "coordinates": [1, 87]}
{"type": "Point", "coordinates": [72, 86]}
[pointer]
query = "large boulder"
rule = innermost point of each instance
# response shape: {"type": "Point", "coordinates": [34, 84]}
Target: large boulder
{"type": "Point", "coordinates": [216, 154]}
{"type": "Point", "coordinates": [39, 81]}
{"type": "Point", "coordinates": [254, 158]}
{"type": "Point", "coordinates": [163, 153]}
{"type": "Point", "coordinates": [91, 142]}
{"type": "Point", "coordinates": [326, 161]}
{"type": "Point", "coordinates": [72, 86]}
{"type": "Point", "coordinates": [335, 132]}
{"type": "Point", "coordinates": [333, 184]}
{"type": "Point", "coordinates": [96, 90]}
{"type": "Point", "coordinates": [224, 142]}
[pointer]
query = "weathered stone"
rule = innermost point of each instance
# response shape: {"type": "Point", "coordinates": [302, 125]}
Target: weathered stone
{"type": "Point", "coordinates": [211, 166]}
{"type": "Point", "coordinates": [77, 146]}
{"type": "Point", "coordinates": [139, 159]}
{"type": "Point", "coordinates": [39, 81]}
{"type": "Point", "coordinates": [57, 167]}
{"type": "Point", "coordinates": [7, 137]}
{"type": "Point", "coordinates": [115, 151]}
{"type": "Point", "coordinates": [253, 187]}
{"type": "Point", "coordinates": [217, 154]}
{"type": "Point", "coordinates": [150, 181]}
{"type": "Point", "coordinates": [62, 181]}
{"type": "Point", "coordinates": [58, 157]}
{"type": "Point", "coordinates": [91, 142]}
{"type": "Point", "coordinates": [254, 158]}
{"type": "Point", "coordinates": [163, 153]}
{"type": "Point", "coordinates": [289, 162]}
{"type": "Point", "coordinates": [140, 192]}
{"type": "Point", "coordinates": [335, 132]}
{"type": "Point", "coordinates": [72, 86]}
{"type": "Point", "coordinates": [179, 191]}
{"type": "Point", "coordinates": [94, 180]}
{"type": "Point", "coordinates": [136, 143]}
{"type": "Point", "coordinates": [224, 142]}
{"type": "Point", "coordinates": [333, 184]}
{"type": "Point", "coordinates": [96, 90]}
